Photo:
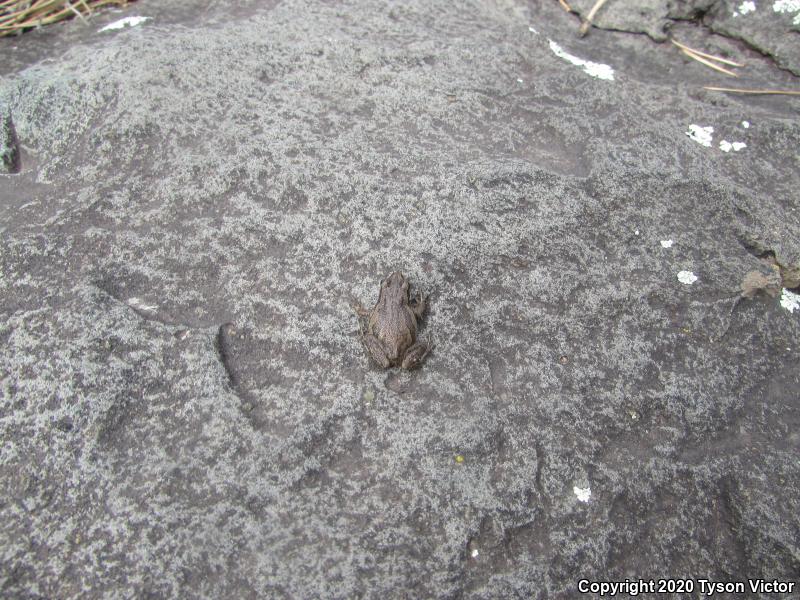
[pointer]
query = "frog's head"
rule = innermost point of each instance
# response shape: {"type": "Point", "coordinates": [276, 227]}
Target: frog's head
{"type": "Point", "coordinates": [395, 288]}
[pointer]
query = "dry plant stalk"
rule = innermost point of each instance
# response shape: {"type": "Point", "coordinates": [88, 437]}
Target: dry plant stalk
{"type": "Point", "coordinates": [724, 61]}
{"type": "Point", "coordinates": [587, 23]}
{"type": "Point", "coordinates": [741, 91]}
{"type": "Point", "coordinates": [705, 58]}
{"type": "Point", "coordinates": [565, 6]}
{"type": "Point", "coordinates": [17, 16]}
{"type": "Point", "coordinates": [708, 63]}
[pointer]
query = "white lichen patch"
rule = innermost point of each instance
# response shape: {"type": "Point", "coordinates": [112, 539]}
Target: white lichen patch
{"type": "Point", "coordinates": [790, 300]}
{"type": "Point", "coordinates": [700, 134]}
{"type": "Point", "coordinates": [474, 553]}
{"type": "Point", "coordinates": [597, 70]}
{"type": "Point", "coordinates": [139, 305]}
{"type": "Point", "coordinates": [582, 494]}
{"type": "Point", "coordinates": [746, 124]}
{"type": "Point", "coordinates": [744, 8]}
{"type": "Point", "coordinates": [727, 146]}
{"type": "Point", "coordinates": [667, 243]}
{"type": "Point", "coordinates": [687, 277]}
{"type": "Point", "coordinates": [126, 22]}
{"type": "Point", "coordinates": [788, 6]}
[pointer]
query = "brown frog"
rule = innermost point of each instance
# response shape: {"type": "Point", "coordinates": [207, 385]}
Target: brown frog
{"type": "Point", "coordinates": [391, 336]}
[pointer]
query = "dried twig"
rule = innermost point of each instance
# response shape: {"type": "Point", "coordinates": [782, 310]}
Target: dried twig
{"type": "Point", "coordinates": [708, 63]}
{"type": "Point", "coordinates": [741, 91]}
{"type": "Point", "coordinates": [587, 23]}
{"type": "Point", "coordinates": [565, 6]}
{"type": "Point", "coordinates": [705, 55]}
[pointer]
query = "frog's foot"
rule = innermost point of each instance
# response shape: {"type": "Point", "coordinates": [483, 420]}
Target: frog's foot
{"type": "Point", "coordinates": [361, 331]}
{"type": "Point", "coordinates": [361, 314]}
{"type": "Point", "coordinates": [377, 351]}
{"type": "Point", "coordinates": [358, 308]}
{"type": "Point", "coordinates": [415, 355]}
{"type": "Point", "coordinates": [420, 303]}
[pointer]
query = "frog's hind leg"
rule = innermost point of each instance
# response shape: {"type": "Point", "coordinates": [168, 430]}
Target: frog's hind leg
{"type": "Point", "coordinates": [416, 354]}
{"type": "Point", "coordinates": [376, 350]}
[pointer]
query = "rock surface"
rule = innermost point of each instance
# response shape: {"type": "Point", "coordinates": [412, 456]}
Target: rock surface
{"type": "Point", "coordinates": [186, 409]}
{"type": "Point", "coordinates": [769, 27]}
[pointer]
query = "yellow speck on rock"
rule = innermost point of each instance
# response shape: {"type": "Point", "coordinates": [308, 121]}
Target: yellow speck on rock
{"type": "Point", "coordinates": [459, 458]}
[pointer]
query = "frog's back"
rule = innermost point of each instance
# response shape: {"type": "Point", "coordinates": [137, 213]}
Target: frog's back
{"type": "Point", "coordinates": [396, 330]}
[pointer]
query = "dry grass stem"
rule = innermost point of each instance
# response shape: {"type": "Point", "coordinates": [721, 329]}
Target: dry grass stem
{"type": "Point", "coordinates": [77, 12]}
{"type": "Point", "coordinates": [587, 23]}
{"type": "Point", "coordinates": [741, 91]}
{"type": "Point", "coordinates": [724, 61]}
{"type": "Point", "coordinates": [565, 6]}
{"type": "Point", "coordinates": [708, 63]}
{"type": "Point", "coordinates": [17, 16]}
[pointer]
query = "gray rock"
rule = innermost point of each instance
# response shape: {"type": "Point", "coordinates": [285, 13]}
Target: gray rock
{"type": "Point", "coordinates": [9, 146]}
{"type": "Point", "coordinates": [186, 409]}
{"type": "Point", "coordinates": [767, 27]}
{"type": "Point", "coordinates": [771, 29]}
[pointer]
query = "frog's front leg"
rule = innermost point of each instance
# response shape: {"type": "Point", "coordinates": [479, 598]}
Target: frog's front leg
{"type": "Point", "coordinates": [419, 305]}
{"type": "Point", "coordinates": [415, 354]}
{"type": "Point", "coordinates": [358, 308]}
{"type": "Point", "coordinates": [377, 351]}
{"type": "Point", "coordinates": [361, 314]}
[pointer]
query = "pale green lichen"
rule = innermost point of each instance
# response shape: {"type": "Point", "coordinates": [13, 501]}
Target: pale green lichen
{"type": "Point", "coordinates": [790, 300]}
{"type": "Point", "coordinates": [788, 6]}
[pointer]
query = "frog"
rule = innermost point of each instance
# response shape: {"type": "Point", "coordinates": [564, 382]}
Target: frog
{"type": "Point", "coordinates": [392, 325]}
